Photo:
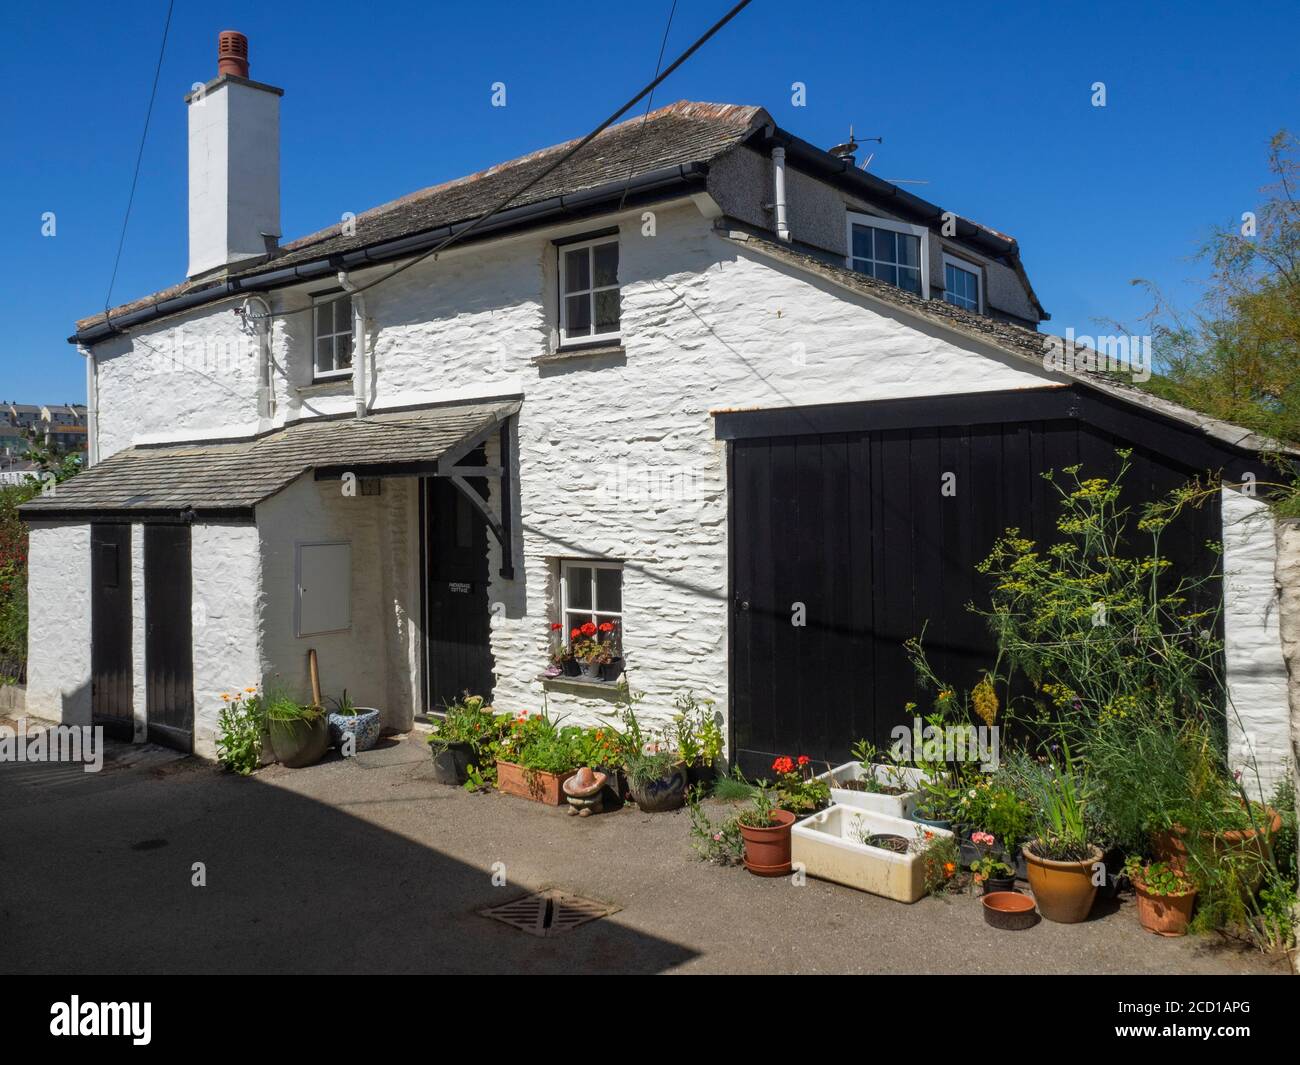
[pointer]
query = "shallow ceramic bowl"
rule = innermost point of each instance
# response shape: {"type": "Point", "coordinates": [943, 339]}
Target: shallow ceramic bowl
{"type": "Point", "coordinates": [1009, 911]}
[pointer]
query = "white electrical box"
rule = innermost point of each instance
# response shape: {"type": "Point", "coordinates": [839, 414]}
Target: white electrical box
{"type": "Point", "coordinates": [324, 597]}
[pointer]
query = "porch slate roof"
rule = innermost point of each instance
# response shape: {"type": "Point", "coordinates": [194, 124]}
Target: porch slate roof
{"type": "Point", "coordinates": [232, 477]}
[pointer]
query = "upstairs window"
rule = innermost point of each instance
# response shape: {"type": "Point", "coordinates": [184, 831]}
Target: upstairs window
{"type": "Point", "coordinates": [961, 283]}
{"type": "Point", "coordinates": [589, 297]}
{"type": "Point", "coordinates": [890, 251]}
{"type": "Point", "coordinates": [333, 336]}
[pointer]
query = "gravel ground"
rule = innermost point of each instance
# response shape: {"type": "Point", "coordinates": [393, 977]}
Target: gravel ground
{"type": "Point", "coordinates": [370, 866]}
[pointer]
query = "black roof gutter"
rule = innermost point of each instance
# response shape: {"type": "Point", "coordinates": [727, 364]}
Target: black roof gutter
{"type": "Point", "coordinates": [655, 183]}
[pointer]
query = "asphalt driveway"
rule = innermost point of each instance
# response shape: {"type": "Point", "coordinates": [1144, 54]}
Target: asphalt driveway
{"type": "Point", "coordinates": [369, 866]}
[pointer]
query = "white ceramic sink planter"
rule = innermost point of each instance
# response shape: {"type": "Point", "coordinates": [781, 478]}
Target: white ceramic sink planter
{"type": "Point", "coordinates": [829, 846]}
{"type": "Point", "coordinates": [893, 805]}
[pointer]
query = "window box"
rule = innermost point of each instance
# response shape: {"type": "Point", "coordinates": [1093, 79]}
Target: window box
{"type": "Point", "coordinates": [895, 252]}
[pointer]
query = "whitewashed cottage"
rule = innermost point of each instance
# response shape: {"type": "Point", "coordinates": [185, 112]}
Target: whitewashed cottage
{"type": "Point", "coordinates": [700, 376]}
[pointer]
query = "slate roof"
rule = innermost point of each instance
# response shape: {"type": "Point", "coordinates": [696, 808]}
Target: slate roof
{"type": "Point", "coordinates": [683, 132]}
{"type": "Point", "coordinates": [237, 475]}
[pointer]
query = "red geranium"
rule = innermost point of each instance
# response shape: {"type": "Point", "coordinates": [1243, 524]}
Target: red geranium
{"type": "Point", "coordinates": [589, 629]}
{"type": "Point", "coordinates": [784, 764]}
{"type": "Point", "coordinates": [803, 759]}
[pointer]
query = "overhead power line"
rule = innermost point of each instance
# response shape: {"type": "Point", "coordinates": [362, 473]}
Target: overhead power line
{"type": "Point", "coordinates": [546, 171]}
{"type": "Point", "coordinates": [135, 178]}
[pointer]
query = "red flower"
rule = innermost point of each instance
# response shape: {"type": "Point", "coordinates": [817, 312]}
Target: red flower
{"type": "Point", "coordinates": [555, 625]}
{"type": "Point", "coordinates": [783, 765]}
{"type": "Point", "coordinates": [804, 759]}
{"type": "Point", "coordinates": [589, 629]}
{"type": "Point", "coordinates": [574, 634]}
{"type": "Point", "coordinates": [607, 626]}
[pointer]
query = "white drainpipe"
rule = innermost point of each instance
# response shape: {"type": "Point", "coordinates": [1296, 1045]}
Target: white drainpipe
{"type": "Point", "coordinates": [92, 406]}
{"type": "Point", "coordinates": [778, 175]}
{"type": "Point", "coordinates": [358, 343]}
{"type": "Point", "coordinates": [265, 379]}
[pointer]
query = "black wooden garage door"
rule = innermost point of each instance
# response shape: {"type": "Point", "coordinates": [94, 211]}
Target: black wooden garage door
{"type": "Point", "coordinates": [854, 526]}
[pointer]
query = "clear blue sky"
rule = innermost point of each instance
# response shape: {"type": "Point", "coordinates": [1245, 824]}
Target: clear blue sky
{"type": "Point", "coordinates": [989, 103]}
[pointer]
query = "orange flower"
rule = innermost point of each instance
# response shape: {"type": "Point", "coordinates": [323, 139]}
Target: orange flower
{"type": "Point", "coordinates": [949, 868]}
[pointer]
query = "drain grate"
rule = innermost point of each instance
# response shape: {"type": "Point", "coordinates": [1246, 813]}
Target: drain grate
{"type": "Point", "coordinates": [548, 913]}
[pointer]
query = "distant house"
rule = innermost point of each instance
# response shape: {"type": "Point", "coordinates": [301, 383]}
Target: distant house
{"type": "Point", "coordinates": [62, 426]}
{"type": "Point", "coordinates": [703, 377]}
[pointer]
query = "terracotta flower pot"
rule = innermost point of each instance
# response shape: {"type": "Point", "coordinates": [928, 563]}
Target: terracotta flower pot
{"type": "Point", "coordinates": [1170, 846]}
{"type": "Point", "coordinates": [767, 850]}
{"type": "Point", "coordinates": [1009, 911]}
{"type": "Point", "coordinates": [1064, 890]}
{"type": "Point", "coordinates": [532, 784]}
{"type": "Point", "coordinates": [1165, 915]}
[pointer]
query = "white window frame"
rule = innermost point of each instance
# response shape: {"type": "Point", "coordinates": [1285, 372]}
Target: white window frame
{"type": "Point", "coordinates": [562, 251]}
{"type": "Point", "coordinates": [855, 218]}
{"type": "Point", "coordinates": [328, 299]}
{"type": "Point", "coordinates": [970, 268]}
{"type": "Point", "coordinates": [567, 564]}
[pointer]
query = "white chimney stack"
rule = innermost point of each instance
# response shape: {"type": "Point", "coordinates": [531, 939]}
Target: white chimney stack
{"type": "Point", "coordinates": [234, 163]}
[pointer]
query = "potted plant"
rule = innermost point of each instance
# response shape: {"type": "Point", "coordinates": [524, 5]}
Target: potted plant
{"type": "Point", "coordinates": [1165, 896]}
{"type": "Point", "coordinates": [797, 790]}
{"type": "Point", "coordinates": [765, 829]}
{"type": "Point", "coordinates": [594, 647]}
{"type": "Point", "coordinates": [698, 737]}
{"type": "Point", "coordinates": [991, 870]}
{"type": "Point", "coordinates": [657, 780]}
{"type": "Point", "coordinates": [936, 803]}
{"type": "Point", "coordinates": [536, 756]}
{"type": "Point", "coordinates": [299, 734]}
{"type": "Point", "coordinates": [1062, 860]}
{"type": "Point", "coordinates": [463, 741]}
{"type": "Point", "coordinates": [360, 723]}
{"type": "Point", "coordinates": [562, 662]}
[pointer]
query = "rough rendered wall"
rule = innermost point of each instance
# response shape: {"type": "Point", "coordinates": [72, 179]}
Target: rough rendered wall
{"type": "Point", "coordinates": [1259, 715]}
{"type": "Point", "coordinates": [226, 578]}
{"type": "Point", "coordinates": [58, 639]}
{"type": "Point", "coordinates": [1288, 583]}
{"type": "Point", "coordinates": [191, 373]}
{"type": "Point", "coordinates": [372, 659]}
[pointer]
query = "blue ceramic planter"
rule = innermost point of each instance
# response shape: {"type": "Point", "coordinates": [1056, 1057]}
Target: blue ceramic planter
{"type": "Point", "coordinates": [945, 825]}
{"type": "Point", "coordinates": [363, 725]}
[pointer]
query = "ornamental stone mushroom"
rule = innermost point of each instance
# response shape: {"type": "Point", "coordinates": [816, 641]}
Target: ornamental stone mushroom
{"type": "Point", "coordinates": [584, 791]}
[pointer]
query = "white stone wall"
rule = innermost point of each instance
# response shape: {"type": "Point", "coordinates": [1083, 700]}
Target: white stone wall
{"type": "Point", "coordinates": [186, 374]}
{"type": "Point", "coordinates": [372, 659]}
{"type": "Point", "coordinates": [1259, 734]}
{"type": "Point", "coordinates": [227, 589]}
{"type": "Point", "coordinates": [58, 639]}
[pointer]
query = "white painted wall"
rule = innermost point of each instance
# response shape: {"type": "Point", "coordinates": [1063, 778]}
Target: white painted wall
{"type": "Point", "coordinates": [58, 639]}
{"type": "Point", "coordinates": [227, 598]}
{"type": "Point", "coordinates": [372, 658]}
{"type": "Point", "coordinates": [1259, 730]}
{"type": "Point", "coordinates": [234, 173]}
{"type": "Point", "coordinates": [187, 374]}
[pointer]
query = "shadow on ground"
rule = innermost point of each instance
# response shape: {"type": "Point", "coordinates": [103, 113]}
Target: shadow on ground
{"type": "Point", "coordinates": [96, 876]}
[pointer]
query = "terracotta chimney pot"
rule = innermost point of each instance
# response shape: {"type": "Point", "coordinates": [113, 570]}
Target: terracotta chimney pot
{"type": "Point", "coordinates": [232, 53]}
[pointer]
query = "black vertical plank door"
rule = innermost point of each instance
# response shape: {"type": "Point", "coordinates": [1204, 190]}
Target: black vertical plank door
{"type": "Point", "coordinates": [169, 646]}
{"type": "Point", "coordinates": [459, 622]}
{"type": "Point", "coordinates": [111, 673]}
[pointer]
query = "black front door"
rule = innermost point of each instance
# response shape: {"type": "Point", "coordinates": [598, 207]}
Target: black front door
{"type": "Point", "coordinates": [111, 682]}
{"type": "Point", "coordinates": [169, 663]}
{"type": "Point", "coordinates": [457, 620]}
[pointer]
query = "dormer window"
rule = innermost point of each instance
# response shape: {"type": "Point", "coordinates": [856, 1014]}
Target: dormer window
{"type": "Point", "coordinates": [895, 252]}
{"type": "Point", "coordinates": [589, 295]}
{"type": "Point", "coordinates": [333, 336]}
{"type": "Point", "coordinates": [961, 283]}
